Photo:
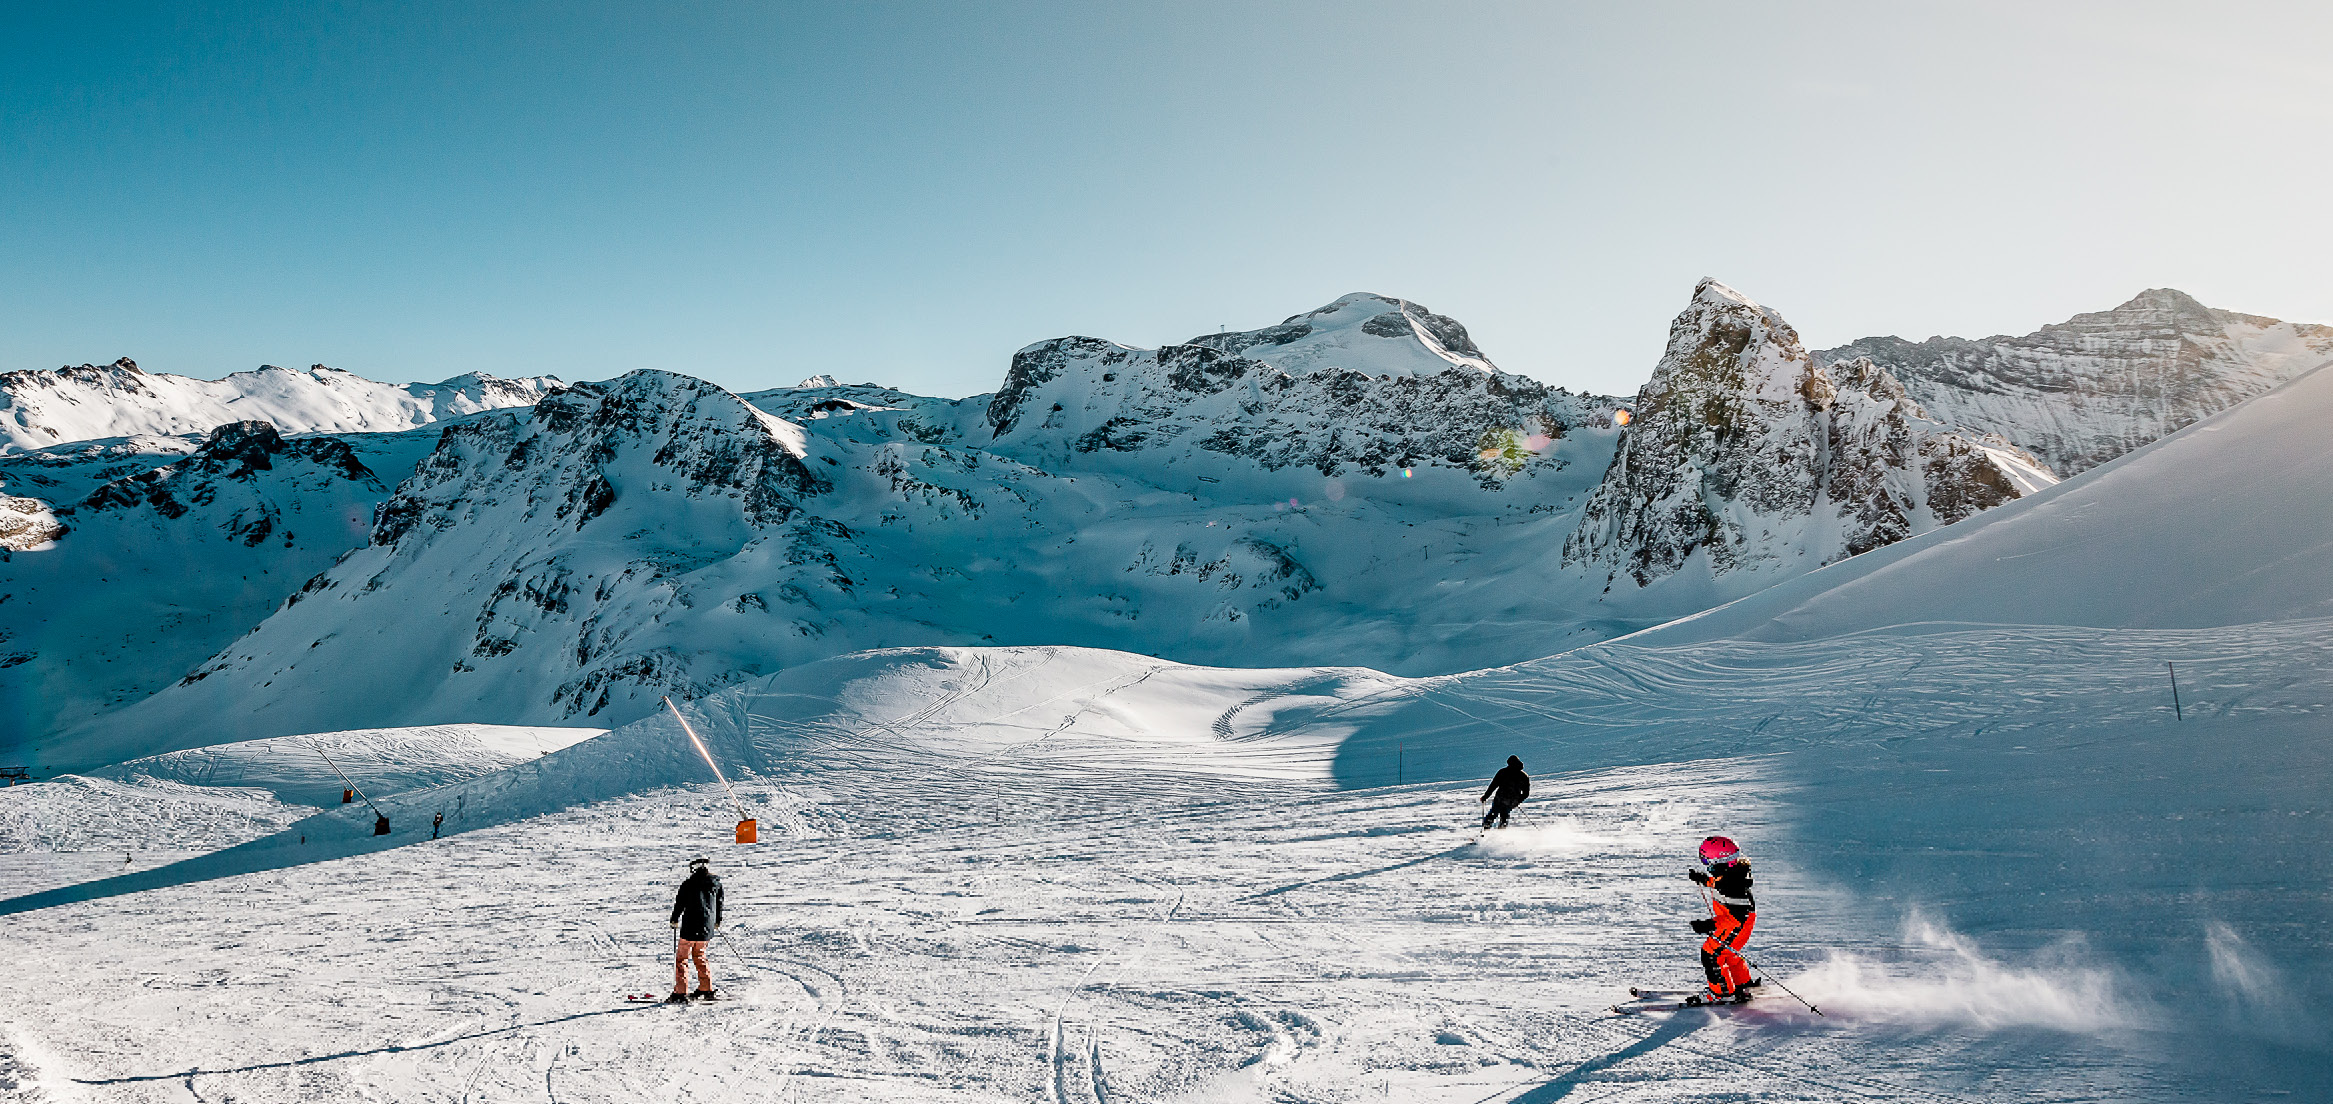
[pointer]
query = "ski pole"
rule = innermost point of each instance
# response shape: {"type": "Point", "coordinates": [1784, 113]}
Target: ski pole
{"type": "Point", "coordinates": [1762, 972]}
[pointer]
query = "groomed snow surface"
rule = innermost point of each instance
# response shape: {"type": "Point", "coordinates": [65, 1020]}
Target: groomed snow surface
{"type": "Point", "coordinates": [1061, 874]}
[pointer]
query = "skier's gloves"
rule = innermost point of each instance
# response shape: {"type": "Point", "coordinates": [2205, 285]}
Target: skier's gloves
{"type": "Point", "coordinates": [676, 925]}
{"type": "Point", "coordinates": [1698, 877]}
{"type": "Point", "coordinates": [1705, 926]}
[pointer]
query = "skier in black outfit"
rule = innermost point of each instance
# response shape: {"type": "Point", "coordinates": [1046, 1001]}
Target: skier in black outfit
{"type": "Point", "coordinates": [1509, 787]}
{"type": "Point", "coordinates": [696, 918]}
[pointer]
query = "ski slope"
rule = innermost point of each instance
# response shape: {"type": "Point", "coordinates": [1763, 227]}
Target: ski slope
{"type": "Point", "coordinates": [1070, 874]}
{"type": "Point", "coordinates": [1989, 846]}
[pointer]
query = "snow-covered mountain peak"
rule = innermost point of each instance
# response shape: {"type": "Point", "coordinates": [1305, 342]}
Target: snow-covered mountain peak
{"type": "Point", "coordinates": [578, 450]}
{"type": "Point", "coordinates": [89, 401]}
{"type": "Point", "coordinates": [234, 454]}
{"type": "Point", "coordinates": [1368, 383]}
{"type": "Point", "coordinates": [1745, 454]}
{"type": "Point", "coordinates": [2081, 392]}
{"type": "Point", "coordinates": [1727, 341]}
{"type": "Point", "coordinates": [1375, 335]}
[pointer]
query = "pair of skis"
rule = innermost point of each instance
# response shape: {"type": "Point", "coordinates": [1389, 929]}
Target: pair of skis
{"type": "Point", "coordinates": [1677, 1000]}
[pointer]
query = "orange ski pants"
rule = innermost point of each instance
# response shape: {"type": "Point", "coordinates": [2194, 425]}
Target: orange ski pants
{"type": "Point", "coordinates": [688, 951]}
{"type": "Point", "coordinates": [1726, 969]}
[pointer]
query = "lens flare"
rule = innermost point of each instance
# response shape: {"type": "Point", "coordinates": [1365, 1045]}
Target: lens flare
{"type": "Point", "coordinates": [1621, 416]}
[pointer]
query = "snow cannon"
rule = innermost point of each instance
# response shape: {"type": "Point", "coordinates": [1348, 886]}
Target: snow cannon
{"type": "Point", "coordinates": [748, 829]}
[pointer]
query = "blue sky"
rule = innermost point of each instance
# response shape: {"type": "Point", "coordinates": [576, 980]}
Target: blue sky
{"type": "Point", "coordinates": [908, 193]}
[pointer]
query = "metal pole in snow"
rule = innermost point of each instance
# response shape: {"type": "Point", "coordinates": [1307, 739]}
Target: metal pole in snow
{"type": "Point", "coordinates": [344, 778]}
{"type": "Point", "coordinates": [2176, 712]}
{"type": "Point", "coordinates": [684, 727]}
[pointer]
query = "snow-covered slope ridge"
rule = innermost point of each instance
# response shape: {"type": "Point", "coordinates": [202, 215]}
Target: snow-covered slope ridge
{"type": "Point", "coordinates": [2223, 523]}
{"type": "Point", "coordinates": [38, 409]}
{"type": "Point", "coordinates": [1366, 385]}
{"type": "Point", "coordinates": [310, 769]}
{"type": "Point", "coordinates": [159, 569]}
{"type": "Point", "coordinates": [1745, 451]}
{"type": "Point", "coordinates": [2089, 389]}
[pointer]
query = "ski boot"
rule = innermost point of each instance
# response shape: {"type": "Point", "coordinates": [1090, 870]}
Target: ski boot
{"type": "Point", "coordinates": [677, 998]}
{"type": "Point", "coordinates": [703, 995]}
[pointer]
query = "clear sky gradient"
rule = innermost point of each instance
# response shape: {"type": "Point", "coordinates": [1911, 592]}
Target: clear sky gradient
{"type": "Point", "coordinates": [907, 193]}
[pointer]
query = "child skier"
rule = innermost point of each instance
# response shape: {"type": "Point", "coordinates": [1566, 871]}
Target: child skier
{"type": "Point", "coordinates": [1508, 788]}
{"type": "Point", "coordinates": [696, 918]}
{"type": "Point", "coordinates": [1733, 912]}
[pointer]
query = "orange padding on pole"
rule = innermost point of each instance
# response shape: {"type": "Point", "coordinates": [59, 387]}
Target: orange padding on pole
{"type": "Point", "coordinates": [748, 831]}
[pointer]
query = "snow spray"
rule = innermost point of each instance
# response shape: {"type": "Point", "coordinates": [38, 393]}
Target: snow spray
{"type": "Point", "coordinates": [748, 830]}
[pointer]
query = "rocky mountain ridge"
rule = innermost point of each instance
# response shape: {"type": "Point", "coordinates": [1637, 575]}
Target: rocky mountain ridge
{"type": "Point", "coordinates": [1367, 386]}
{"type": "Point", "coordinates": [1745, 452]}
{"type": "Point", "coordinates": [41, 409]}
{"type": "Point", "coordinates": [1356, 486]}
{"type": "Point", "coordinates": [2081, 392]}
{"type": "Point", "coordinates": [150, 571]}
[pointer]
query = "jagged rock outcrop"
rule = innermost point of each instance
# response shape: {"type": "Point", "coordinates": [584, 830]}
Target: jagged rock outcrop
{"type": "Point", "coordinates": [1368, 385]}
{"type": "Point", "coordinates": [233, 454]}
{"type": "Point", "coordinates": [40, 409]}
{"type": "Point", "coordinates": [1746, 451]}
{"type": "Point", "coordinates": [157, 568]}
{"type": "Point", "coordinates": [26, 523]}
{"type": "Point", "coordinates": [2084, 391]}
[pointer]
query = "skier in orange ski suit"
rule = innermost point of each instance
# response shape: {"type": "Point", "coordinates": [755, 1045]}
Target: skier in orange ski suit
{"type": "Point", "coordinates": [1733, 912]}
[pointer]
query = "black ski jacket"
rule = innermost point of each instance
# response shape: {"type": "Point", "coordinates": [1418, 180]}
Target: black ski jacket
{"type": "Point", "coordinates": [1731, 884]}
{"type": "Point", "coordinates": [1510, 784]}
{"type": "Point", "coordinates": [697, 907]}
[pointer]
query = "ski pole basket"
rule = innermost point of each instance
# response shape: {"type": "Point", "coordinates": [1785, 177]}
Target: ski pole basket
{"type": "Point", "coordinates": [748, 831]}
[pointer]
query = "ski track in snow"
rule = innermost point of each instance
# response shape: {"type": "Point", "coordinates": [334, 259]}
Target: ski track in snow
{"type": "Point", "coordinates": [1002, 875]}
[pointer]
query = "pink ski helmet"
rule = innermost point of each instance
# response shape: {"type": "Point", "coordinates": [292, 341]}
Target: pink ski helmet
{"type": "Point", "coordinates": [1718, 851]}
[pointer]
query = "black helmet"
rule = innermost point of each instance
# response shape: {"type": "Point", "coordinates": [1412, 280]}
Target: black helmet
{"type": "Point", "coordinates": [699, 863]}
{"type": "Point", "coordinates": [1512, 761]}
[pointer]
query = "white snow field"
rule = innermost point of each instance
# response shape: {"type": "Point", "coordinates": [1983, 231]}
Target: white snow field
{"type": "Point", "coordinates": [163, 808]}
{"type": "Point", "coordinates": [1990, 848]}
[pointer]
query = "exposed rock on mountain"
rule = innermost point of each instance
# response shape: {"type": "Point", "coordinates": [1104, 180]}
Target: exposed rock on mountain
{"type": "Point", "coordinates": [156, 570]}
{"type": "Point", "coordinates": [228, 463]}
{"type": "Point", "coordinates": [2089, 389]}
{"type": "Point", "coordinates": [1366, 385]}
{"type": "Point", "coordinates": [1744, 450]}
{"type": "Point", "coordinates": [1356, 486]}
{"type": "Point", "coordinates": [26, 523]}
{"type": "Point", "coordinates": [39, 409]}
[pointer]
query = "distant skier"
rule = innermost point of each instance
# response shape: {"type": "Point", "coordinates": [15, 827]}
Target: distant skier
{"type": "Point", "coordinates": [696, 917]}
{"type": "Point", "coordinates": [1508, 788]}
{"type": "Point", "coordinates": [1732, 914]}
{"type": "Point", "coordinates": [436, 824]}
